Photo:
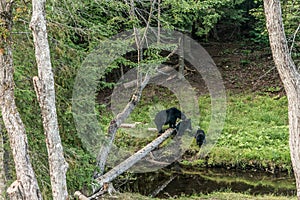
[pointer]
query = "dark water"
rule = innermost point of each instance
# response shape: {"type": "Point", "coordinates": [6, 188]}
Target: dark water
{"type": "Point", "coordinates": [211, 180]}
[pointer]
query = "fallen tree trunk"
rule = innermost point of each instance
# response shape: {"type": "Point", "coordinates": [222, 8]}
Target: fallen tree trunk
{"type": "Point", "coordinates": [128, 163]}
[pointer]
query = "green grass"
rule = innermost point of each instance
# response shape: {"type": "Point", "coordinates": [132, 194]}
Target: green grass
{"type": "Point", "coordinates": [255, 133]}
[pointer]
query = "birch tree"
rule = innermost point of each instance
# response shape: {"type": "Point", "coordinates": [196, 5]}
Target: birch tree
{"type": "Point", "coordinates": [290, 78]}
{"type": "Point", "coordinates": [44, 87]}
{"type": "Point", "coordinates": [26, 186]}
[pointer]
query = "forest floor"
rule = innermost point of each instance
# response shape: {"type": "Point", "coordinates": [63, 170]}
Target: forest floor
{"type": "Point", "coordinates": [243, 67]}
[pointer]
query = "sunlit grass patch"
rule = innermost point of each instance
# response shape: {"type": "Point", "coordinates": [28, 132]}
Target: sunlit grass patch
{"type": "Point", "coordinates": [255, 132]}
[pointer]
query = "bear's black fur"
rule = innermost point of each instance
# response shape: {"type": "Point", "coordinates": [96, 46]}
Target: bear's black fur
{"type": "Point", "coordinates": [168, 116]}
{"type": "Point", "coordinates": [200, 137]}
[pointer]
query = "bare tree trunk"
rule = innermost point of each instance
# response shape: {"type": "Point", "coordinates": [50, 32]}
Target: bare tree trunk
{"type": "Point", "coordinates": [115, 124]}
{"type": "Point", "coordinates": [44, 87]}
{"type": "Point", "coordinates": [141, 84]}
{"type": "Point", "coordinates": [290, 78]}
{"type": "Point", "coordinates": [2, 166]}
{"type": "Point", "coordinates": [26, 186]}
{"type": "Point", "coordinates": [129, 162]}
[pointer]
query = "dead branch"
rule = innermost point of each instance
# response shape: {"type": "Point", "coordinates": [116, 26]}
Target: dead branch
{"type": "Point", "coordinates": [126, 125]}
{"type": "Point", "coordinates": [107, 187]}
{"type": "Point", "coordinates": [80, 196]}
{"type": "Point", "coordinates": [164, 70]}
{"type": "Point", "coordinates": [294, 37]}
{"type": "Point", "coordinates": [152, 129]}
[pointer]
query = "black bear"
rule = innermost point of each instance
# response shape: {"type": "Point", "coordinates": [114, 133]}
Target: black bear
{"type": "Point", "coordinates": [168, 116]}
{"type": "Point", "coordinates": [200, 137]}
{"type": "Point", "coordinates": [182, 126]}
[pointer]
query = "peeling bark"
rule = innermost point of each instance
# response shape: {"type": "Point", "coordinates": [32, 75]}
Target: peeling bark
{"type": "Point", "coordinates": [26, 186]}
{"type": "Point", "coordinates": [290, 78]}
{"type": "Point", "coordinates": [44, 87]}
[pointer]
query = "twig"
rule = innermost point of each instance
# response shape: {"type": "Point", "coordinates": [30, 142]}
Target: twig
{"type": "Point", "coordinates": [294, 37]}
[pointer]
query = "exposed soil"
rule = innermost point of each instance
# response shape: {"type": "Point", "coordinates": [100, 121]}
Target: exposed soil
{"type": "Point", "coordinates": [243, 67]}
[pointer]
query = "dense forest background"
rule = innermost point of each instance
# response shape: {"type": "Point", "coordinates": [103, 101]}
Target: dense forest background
{"type": "Point", "coordinates": [233, 32]}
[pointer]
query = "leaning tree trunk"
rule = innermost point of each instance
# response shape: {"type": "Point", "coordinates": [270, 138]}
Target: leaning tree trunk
{"type": "Point", "coordinates": [290, 78]}
{"type": "Point", "coordinates": [26, 186]}
{"type": "Point", "coordinates": [44, 87]}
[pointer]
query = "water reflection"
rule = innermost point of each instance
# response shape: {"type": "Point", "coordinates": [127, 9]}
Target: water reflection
{"type": "Point", "coordinates": [210, 180]}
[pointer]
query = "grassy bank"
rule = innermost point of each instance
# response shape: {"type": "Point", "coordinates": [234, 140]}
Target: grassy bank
{"type": "Point", "coordinates": [255, 133]}
{"type": "Point", "coordinates": [213, 196]}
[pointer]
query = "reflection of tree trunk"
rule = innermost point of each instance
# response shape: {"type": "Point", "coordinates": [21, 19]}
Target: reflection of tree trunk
{"type": "Point", "coordinates": [44, 87]}
{"type": "Point", "coordinates": [290, 78]}
{"type": "Point", "coordinates": [26, 185]}
{"type": "Point", "coordinates": [2, 166]}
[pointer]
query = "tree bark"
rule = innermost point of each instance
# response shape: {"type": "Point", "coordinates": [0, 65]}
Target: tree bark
{"type": "Point", "coordinates": [27, 187]}
{"type": "Point", "coordinates": [44, 87]}
{"type": "Point", "coordinates": [2, 166]}
{"type": "Point", "coordinates": [290, 78]}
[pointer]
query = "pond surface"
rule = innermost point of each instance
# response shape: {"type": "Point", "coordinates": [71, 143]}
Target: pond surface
{"type": "Point", "coordinates": [211, 180]}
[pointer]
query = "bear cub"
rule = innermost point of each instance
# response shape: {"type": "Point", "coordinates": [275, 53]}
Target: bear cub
{"type": "Point", "coordinates": [200, 137]}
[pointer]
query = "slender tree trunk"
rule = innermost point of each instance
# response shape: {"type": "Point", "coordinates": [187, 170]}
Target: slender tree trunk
{"type": "Point", "coordinates": [290, 78]}
{"type": "Point", "coordinates": [26, 186]}
{"type": "Point", "coordinates": [44, 87]}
